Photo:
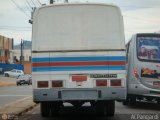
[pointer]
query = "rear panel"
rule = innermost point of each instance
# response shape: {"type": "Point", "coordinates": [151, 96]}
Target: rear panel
{"type": "Point", "coordinates": [78, 69]}
{"type": "Point", "coordinates": [145, 68]}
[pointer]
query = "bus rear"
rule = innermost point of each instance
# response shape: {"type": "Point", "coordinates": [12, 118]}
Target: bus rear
{"type": "Point", "coordinates": [78, 56]}
{"type": "Point", "coordinates": [144, 68]}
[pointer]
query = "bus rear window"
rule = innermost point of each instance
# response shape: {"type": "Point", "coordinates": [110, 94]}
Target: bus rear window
{"type": "Point", "coordinates": [148, 48]}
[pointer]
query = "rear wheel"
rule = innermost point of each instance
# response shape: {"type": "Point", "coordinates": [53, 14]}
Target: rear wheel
{"type": "Point", "coordinates": [132, 100]}
{"type": "Point", "coordinates": [125, 102]}
{"type": "Point", "coordinates": [55, 107]}
{"type": "Point", "coordinates": [45, 109]}
{"type": "Point", "coordinates": [101, 108]}
{"type": "Point", "coordinates": [110, 108]}
{"type": "Point", "coordinates": [158, 101]}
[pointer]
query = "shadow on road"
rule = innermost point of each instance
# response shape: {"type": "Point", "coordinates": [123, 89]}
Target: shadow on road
{"type": "Point", "coordinates": [145, 105]}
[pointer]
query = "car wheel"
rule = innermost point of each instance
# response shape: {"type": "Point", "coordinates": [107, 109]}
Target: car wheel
{"type": "Point", "coordinates": [6, 75]}
{"type": "Point", "coordinates": [17, 84]}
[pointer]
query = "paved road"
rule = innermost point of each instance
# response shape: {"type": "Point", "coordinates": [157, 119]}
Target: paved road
{"type": "Point", "coordinates": [11, 94]}
{"type": "Point", "coordinates": [122, 113]}
{"type": "Point", "coordinates": [8, 79]}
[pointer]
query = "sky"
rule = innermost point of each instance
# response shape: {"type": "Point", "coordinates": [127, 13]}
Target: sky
{"type": "Point", "coordinates": [140, 16]}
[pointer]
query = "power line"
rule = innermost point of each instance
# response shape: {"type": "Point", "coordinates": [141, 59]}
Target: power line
{"type": "Point", "coordinates": [14, 29]}
{"type": "Point", "coordinates": [20, 8]}
{"type": "Point", "coordinates": [16, 26]}
{"type": "Point", "coordinates": [39, 2]}
{"type": "Point", "coordinates": [141, 19]}
{"type": "Point", "coordinates": [28, 4]}
{"type": "Point", "coordinates": [33, 3]}
{"type": "Point", "coordinates": [140, 6]}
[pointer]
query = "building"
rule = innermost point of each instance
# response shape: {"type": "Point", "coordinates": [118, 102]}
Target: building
{"type": "Point", "coordinates": [6, 47]}
{"type": "Point", "coordinates": [26, 55]}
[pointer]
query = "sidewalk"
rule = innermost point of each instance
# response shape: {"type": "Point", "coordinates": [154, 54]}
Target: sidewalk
{"type": "Point", "coordinates": [18, 107]}
{"type": "Point", "coordinates": [7, 81]}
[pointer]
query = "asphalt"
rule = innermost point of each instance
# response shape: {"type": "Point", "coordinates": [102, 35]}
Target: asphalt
{"type": "Point", "coordinates": [18, 107]}
{"type": "Point", "coordinates": [122, 112]}
{"type": "Point", "coordinates": [14, 93]}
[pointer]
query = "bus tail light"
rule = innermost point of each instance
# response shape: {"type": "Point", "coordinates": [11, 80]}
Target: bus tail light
{"type": "Point", "coordinates": [115, 82]}
{"type": "Point", "coordinates": [57, 83]}
{"type": "Point", "coordinates": [79, 78]}
{"type": "Point", "coordinates": [136, 74]}
{"type": "Point", "coordinates": [101, 83]}
{"type": "Point", "coordinates": [156, 83]}
{"type": "Point", "coordinates": [42, 84]}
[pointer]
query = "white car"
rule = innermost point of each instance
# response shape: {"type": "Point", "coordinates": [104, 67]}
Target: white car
{"type": "Point", "coordinates": [13, 73]}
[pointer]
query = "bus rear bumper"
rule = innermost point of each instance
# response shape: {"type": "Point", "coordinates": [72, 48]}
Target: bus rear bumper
{"type": "Point", "coordinates": [141, 90]}
{"type": "Point", "coordinates": [40, 95]}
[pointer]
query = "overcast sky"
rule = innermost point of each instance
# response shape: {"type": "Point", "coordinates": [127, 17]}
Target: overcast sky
{"type": "Point", "coordinates": [139, 16]}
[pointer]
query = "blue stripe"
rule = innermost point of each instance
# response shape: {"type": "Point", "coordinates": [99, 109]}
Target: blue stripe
{"type": "Point", "coordinates": [75, 59]}
{"type": "Point", "coordinates": [77, 68]}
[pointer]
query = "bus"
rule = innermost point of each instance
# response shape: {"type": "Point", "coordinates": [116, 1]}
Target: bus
{"type": "Point", "coordinates": [78, 56]}
{"type": "Point", "coordinates": [143, 68]}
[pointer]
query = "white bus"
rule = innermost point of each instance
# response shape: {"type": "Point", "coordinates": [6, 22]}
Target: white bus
{"type": "Point", "coordinates": [78, 56]}
{"type": "Point", "coordinates": [143, 67]}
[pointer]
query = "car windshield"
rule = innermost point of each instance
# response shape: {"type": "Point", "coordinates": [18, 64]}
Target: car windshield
{"type": "Point", "coordinates": [21, 77]}
{"type": "Point", "coordinates": [13, 70]}
{"type": "Point", "coordinates": [149, 48]}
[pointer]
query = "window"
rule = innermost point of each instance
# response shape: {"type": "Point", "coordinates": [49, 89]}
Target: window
{"type": "Point", "coordinates": [148, 48]}
{"type": "Point", "coordinates": [18, 71]}
{"type": "Point", "coordinates": [13, 70]}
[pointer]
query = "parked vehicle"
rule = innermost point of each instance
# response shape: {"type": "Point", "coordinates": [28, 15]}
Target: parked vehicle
{"type": "Point", "coordinates": [143, 67]}
{"type": "Point", "coordinates": [24, 79]}
{"type": "Point", "coordinates": [78, 56]}
{"type": "Point", "coordinates": [13, 73]}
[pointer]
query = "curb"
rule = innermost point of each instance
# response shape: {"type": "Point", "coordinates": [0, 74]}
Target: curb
{"type": "Point", "coordinates": [18, 107]}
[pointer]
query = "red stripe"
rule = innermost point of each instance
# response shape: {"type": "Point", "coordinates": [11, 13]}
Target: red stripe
{"type": "Point", "coordinates": [78, 63]}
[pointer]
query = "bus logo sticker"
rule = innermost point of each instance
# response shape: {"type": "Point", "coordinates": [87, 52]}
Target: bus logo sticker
{"type": "Point", "coordinates": [149, 73]}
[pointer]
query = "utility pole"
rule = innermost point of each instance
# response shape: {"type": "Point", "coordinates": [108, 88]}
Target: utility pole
{"type": "Point", "coordinates": [52, 1]}
{"type": "Point", "coordinates": [21, 57]}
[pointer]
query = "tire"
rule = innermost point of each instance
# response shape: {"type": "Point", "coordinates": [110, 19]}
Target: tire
{"type": "Point", "coordinates": [101, 108]}
{"type": "Point", "coordinates": [17, 84]}
{"type": "Point", "coordinates": [55, 108]}
{"type": "Point", "coordinates": [158, 101]}
{"type": "Point", "coordinates": [125, 102]}
{"type": "Point", "coordinates": [6, 75]}
{"type": "Point", "coordinates": [110, 108]}
{"type": "Point", "coordinates": [45, 109]}
{"type": "Point", "coordinates": [132, 100]}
